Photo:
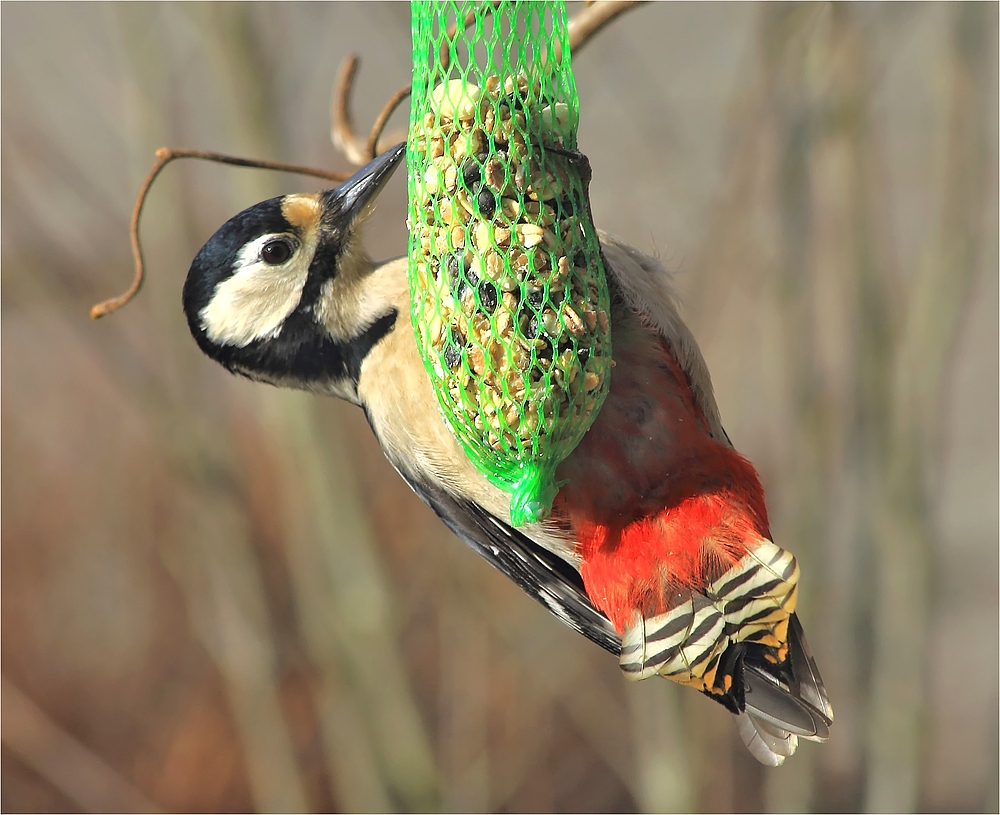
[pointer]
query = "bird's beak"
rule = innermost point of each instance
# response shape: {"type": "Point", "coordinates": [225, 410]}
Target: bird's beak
{"type": "Point", "coordinates": [353, 199]}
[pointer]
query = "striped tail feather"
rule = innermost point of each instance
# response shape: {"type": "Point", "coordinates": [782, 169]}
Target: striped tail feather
{"type": "Point", "coordinates": [739, 642]}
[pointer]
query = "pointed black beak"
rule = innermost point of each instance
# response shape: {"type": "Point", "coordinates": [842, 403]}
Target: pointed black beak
{"type": "Point", "coordinates": [352, 199]}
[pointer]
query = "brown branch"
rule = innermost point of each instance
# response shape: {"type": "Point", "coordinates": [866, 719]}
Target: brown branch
{"type": "Point", "coordinates": [470, 18]}
{"type": "Point", "coordinates": [371, 148]}
{"type": "Point", "coordinates": [342, 133]}
{"type": "Point", "coordinates": [163, 157]}
{"type": "Point", "coordinates": [69, 765]}
{"type": "Point", "coordinates": [590, 21]}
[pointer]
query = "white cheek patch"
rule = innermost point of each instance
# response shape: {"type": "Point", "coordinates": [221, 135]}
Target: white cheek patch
{"type": "Point", "coordinates": [257, 299]}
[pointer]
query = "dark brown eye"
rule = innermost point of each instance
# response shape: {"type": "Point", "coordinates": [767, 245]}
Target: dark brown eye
{"type": "Point", "coordinates": [276, 252]}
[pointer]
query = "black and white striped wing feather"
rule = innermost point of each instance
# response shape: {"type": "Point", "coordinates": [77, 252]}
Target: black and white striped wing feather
{"type": "Point", "coordinates": [539, 573]}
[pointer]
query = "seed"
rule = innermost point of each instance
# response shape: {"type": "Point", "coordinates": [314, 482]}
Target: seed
{"type": "Point", "coordinates": [495, 175]}
{"type": "Point", "coordinates": [471, 172]}
{"type": "Point", "coordinates": [520, 178]}
{"type": "Point", "coordinates": [494, 265]}
{"type": "Point", "coordinates": [453, 357]}
{"type": "Point", "coordinates": [455, 99]}
{"type": "Point", "coordinates": [476, 360]}
{"type": "Point", "coordinates": [432, 179]}
{"type": "Point", "coordinates": [590, 380]}
{"type": "Point", "coordinates": [463, 198]}
{"type": "Point", "coordinates": [503, 322]}
{"type": "Point", "coordinates": [481, 237]}
{"type": "Point", "coordinates": [468, 300]}
{"type": "Point", "coordinates": [467, 144]}
{"type": "Point", "coordinates": [550, 323]}
{"type": "Point", "coordinates": [555, 116]}
{"type": "Point", "coordinates": [510, 208]}
{"type": "Point", "coordinates": [531, 234]}
{"type": "Point", "coordinates": [487, 202]}
{"type": "Point", "coordinates": [509, 283]}
{"type": "Point", "coordinates": [436, 330]}
{"type": "Point", "coordinates": [573, 322]}
{"type": "Point", "coordinates": [451, 177]}
{"type": "Point", "coordinates": [488, 296]}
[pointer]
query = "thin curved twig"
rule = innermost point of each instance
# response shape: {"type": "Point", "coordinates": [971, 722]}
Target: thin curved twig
{"type": "Point", "coordinates": [593, 18]}
{"type": "Point", "coordinates": [342, 131]}
{"type": "Point", "coordinates": [163, 157]}
{"type": "Point", "coordinates": [371, 148]}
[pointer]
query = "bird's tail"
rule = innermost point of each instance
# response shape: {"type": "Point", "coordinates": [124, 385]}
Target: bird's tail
{"type": "Point", "coordinates": [783, 702]}
{"type": "Point", "coordinates": [738, 641]}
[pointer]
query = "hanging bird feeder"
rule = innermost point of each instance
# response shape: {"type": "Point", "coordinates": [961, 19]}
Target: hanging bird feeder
{"type": "Point", "coordinates": [508, 287]}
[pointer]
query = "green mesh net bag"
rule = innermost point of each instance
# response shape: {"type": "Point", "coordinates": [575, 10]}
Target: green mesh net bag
{"type": "Point", "coordinates": [507, 281]}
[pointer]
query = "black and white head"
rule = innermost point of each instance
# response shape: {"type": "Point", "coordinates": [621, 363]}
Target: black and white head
{"type": "Point", "coordinates": [278, 293]}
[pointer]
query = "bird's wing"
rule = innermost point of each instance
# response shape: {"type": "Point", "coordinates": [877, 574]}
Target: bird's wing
{"type": "Point", "coordinates": [542, 575]}
{"type": "Point", "coordinates": [648, 290]}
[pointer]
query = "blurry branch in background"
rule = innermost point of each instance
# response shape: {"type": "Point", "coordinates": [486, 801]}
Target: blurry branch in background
{"type": "Point", "coordinates": [63, 761]}
{"type": "Point", "coordinates": [919, 382]}
{"type": "Point", "coordinates": [344, 603]}
{"type": "Point", "coordinates": [582, 28]}
{"type": "Point", "coordinates": [342, 133]}
{"type": "Point", "coordinates": [810, 148]}
{"type": "Point", "coordinates": [215, 566]}
{"type": "Point", "coordinates": [362, 720]}
{"type": "Point", "coordinates": [222, 584]}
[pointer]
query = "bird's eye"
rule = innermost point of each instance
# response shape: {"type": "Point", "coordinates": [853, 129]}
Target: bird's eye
{"type": "Point", "coordinates": [276, 252]}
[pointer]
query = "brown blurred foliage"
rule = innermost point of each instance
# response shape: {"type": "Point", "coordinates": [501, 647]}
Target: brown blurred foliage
{"type": "Point", "coordinates": [218, 596]}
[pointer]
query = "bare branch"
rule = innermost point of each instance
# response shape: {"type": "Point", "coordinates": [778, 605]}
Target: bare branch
{"type": "Point", "coordinates": [583, 26]}
{"type": "Point", "coordinates": [371, 148]}
{"type": "Point", "coordinates": [163, 157]}
{"type": "Point", "coordinates": [343, 135]}
{"type": "Point", "coordinates": [63, 761]}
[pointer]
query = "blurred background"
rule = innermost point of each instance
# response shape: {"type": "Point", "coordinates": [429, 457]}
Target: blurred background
{"type": "Point", "coordinates": [218, 596]}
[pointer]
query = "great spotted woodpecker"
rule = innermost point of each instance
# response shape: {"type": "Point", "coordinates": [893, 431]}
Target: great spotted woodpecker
{"type": "Point", "coordinates": [658, 547]}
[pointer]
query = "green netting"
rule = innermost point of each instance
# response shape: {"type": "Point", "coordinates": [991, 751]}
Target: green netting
{"type": "Point", "coordinates": [509, 295]}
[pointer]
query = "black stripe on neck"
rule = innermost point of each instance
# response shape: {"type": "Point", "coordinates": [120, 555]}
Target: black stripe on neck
{"type": "Point", "coordinates": [304, 352]}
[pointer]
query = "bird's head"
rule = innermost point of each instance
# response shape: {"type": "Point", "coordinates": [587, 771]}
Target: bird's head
{"type": "Point", "coordinates": [280, 294]}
